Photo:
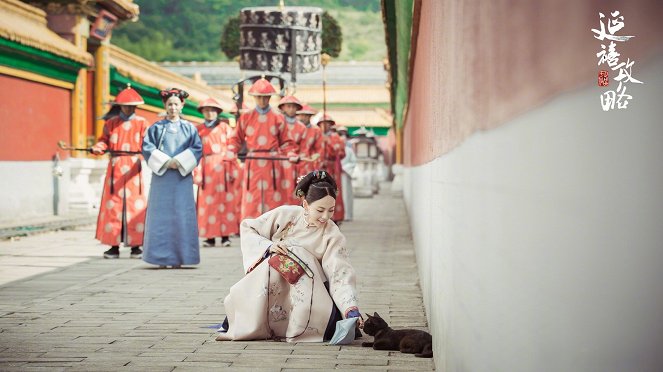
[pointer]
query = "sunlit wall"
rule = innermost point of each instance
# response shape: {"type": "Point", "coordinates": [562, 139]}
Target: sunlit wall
{"type": "Point", "coordinates": [536, 216]}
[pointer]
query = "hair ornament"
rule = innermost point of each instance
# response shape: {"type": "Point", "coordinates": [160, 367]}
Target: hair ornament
{"type": "Point", "coordinates": [169, 92]}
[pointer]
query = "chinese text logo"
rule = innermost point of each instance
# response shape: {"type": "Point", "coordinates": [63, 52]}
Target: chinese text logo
{"type": "Point", "coordinates": [609, 55]}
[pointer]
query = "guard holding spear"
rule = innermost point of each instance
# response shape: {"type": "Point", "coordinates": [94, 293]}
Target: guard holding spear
{"type": "Point", "coordinates": [267, 140]}
{"type": "Point", "coordinates": [215, 177]}
{"type": "Point", "coordinates": [289, 106]}
{"type": "Point", "coordinates": [123, 202]}
{"type": "Point", "coordinates": [334, 152]}
{"type": "Point", "coordinates": [312, 142]}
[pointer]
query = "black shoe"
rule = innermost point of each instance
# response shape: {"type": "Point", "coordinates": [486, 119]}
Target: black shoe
{"type": "Point", "coordinates": [113, 252]}
{"type": "Point", "coordinates": [136, 252]}
{"type": "Point", "coordinates": [224, 326]}
{"type": "Point", "coordinates": [225, 241]}
{"type": "Point", "coordinates": [208, 242]}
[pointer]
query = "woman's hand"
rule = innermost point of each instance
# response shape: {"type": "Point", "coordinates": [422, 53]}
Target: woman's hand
{"type": "Point", "coordinates": [353, 312]}
{"type": "Point", "coordinates": [173, 164]}
{"type": "Point", "coordinates": [279, 248]}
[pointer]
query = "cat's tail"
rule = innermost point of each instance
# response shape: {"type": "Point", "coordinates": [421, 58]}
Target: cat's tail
{"type": "Point", "coordinates": [426, 352]}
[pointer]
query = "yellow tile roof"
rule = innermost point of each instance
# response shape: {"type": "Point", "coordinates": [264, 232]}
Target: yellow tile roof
{"type": "Point", "coordinates": [149, 73]}
{"type": "Point", "coordinates": [125, 9]}
{"type": "Point", "coordinates": [340, 93]}
{"type": "Point", "coordinates": [361, 117]}
{"type": "Point", "coordinates": [25, 24]}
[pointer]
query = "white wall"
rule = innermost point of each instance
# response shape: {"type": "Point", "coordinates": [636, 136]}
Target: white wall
{"type": "Point", "coordinates": [540, 243]}
{"type": "Point", "coordinates": [27, 189]}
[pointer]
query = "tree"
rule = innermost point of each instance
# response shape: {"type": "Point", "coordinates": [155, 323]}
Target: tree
{"type": "Point", "coordinates": [230, 38]}
{"type": "Point", "coordinates": [332, 35]}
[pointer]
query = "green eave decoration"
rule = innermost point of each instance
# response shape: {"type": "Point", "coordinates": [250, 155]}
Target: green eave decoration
{"type": "Point", "coordinates": [227, 115]}
{"type": "Point", "coordinates": [150, 94]}
{"type": "Point", "coordinates": [398, 22]}
{"type": "Point", "coordinates": [379, 131]}
{"type": "Point", "coordinates": [27, 58]}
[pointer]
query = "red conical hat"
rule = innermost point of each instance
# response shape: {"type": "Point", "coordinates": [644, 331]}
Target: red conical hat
{"type": "Point", "coordinates": [262, 87]}
{"type": "Point", "coordinates": [326, 118]}
{"type": "Point", "coordinates": [306, 110]}
{"type": "Point", "coordinates": [128, 97]}
{"type": "Point", "coordinates": [290, 99]}
{"type": "Point", "coordinates": [210, 102]}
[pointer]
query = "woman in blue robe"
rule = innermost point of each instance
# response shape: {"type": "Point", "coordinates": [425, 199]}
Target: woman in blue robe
{"type": "Point", "coordinates": [172, 149]}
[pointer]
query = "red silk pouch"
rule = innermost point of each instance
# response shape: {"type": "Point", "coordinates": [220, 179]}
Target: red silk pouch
{"type": "Point", "coordinates": [289, 269]}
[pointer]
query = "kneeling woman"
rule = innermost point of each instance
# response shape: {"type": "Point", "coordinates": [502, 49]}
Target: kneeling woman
{"type": "Point", "coordinates": [263, 304]}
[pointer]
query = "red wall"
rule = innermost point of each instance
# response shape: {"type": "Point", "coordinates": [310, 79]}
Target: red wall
{"type": "Point", "coordinates": [34, 117]}
{"type": "Point", "coordinates": [480, 63]}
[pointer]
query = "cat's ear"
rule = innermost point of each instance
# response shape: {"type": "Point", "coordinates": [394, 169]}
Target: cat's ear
{"type": "Point", "coordinates": [375, 314]}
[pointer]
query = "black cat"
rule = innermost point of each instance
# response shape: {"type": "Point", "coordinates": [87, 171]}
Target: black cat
{"type": "Point", "coordinates": [411, 341]}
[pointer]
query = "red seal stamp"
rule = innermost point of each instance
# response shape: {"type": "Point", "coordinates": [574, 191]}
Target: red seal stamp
{"type": "Point", "coordinates": [604, 80]}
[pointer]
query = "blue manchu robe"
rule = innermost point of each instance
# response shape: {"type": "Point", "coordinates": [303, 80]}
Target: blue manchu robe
{"type": "Point", "coordinates": [171, 227]}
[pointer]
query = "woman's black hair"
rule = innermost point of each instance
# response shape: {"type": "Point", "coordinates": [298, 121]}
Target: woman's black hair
{"type": "Point", "coordinates": [315, 186]}
{"type": "Point", "coordinates": [179, 93]}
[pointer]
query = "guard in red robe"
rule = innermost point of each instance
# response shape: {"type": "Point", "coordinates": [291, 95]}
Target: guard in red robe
{"type": "Point", "coordinates": [215, 177]}
{"type": "Point", "coordinates": [312, 142]}
{"type": "Point", "coordinates": [237, 183]}
{"type": "Point", "coordinates": [266, 136]}
{"type": "Point", "coordinates": [123, 201]}
{"type": "Point", "coordinates": [289, 105]}
{"type": "Point", "coordinates": [334, 152]}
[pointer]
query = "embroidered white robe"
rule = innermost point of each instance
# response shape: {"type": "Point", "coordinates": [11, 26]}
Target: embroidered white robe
{"type": "Point", "coordinates": [263, 305]}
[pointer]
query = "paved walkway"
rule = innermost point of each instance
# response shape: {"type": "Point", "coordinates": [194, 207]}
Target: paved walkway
{"type": "Point", "coordinates": [63, 307]}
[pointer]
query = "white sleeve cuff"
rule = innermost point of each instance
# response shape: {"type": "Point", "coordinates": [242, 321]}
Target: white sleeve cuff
{"type": "Point", "coordinates": [186, 162]}
{"type": "Point", "coordinates": [158, 162]}
{"type": "Point", "coordinates": [265, 244]}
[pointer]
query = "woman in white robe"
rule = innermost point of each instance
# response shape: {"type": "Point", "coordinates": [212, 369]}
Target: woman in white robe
{"type": "Point", "coordinates": [263, 305]}
{"type": "Point", "coordinates": [172, 149]}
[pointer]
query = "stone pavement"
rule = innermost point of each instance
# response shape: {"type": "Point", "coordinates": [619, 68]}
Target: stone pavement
{"type": "Point", "coordinates": [63, 307]}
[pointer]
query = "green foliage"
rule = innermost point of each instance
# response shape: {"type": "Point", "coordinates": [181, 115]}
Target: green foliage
{"type": "Point", "coordinates": [175, 30]}
{"type": "Point", "coordinates": [332, 36]}
{"type": "Point", "coordinates": [154, 46]}
{"type": "Point", "coordinates": [230, 37]}
{"type": "Point", "coordinates": [363, 35]}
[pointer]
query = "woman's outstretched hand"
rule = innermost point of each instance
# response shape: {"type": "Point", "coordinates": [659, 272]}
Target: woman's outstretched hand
{"type": "Point", "coordinates": [354, 313]}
